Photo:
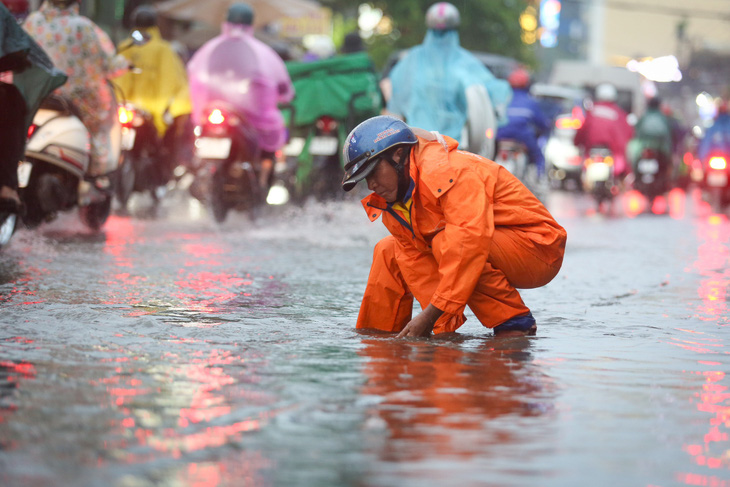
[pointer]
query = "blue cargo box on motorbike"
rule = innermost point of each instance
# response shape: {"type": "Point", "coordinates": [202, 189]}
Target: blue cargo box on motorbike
{"type": "Point", "coordinates": [344, 87]}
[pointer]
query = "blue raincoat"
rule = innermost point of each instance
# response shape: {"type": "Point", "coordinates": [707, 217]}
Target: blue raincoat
{"type": "Point", "coordinates": [525, 122]}
{"type": "Point", "coordinates": [716, 139]}
{"type": "Point", "coordinates": [429, 84]}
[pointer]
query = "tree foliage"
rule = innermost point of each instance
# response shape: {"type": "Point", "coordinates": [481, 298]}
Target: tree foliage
{"type": "Point", "coordinates": [486, 25]}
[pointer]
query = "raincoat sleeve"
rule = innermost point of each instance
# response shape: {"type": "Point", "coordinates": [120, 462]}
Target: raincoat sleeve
{"type": "Point", "coordinates": [102, 52]}
{"type": "Point", "coordinates": [173, 74]}
{"type": "Point", "coordinates": [461, 249]}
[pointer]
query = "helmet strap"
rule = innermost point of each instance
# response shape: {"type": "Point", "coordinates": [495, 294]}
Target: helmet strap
{"type": "Point", "coordinates": [402, 169]}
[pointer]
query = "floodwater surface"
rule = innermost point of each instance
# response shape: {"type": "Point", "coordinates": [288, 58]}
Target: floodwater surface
{"type": "Point", "coordinates": [171, 351]}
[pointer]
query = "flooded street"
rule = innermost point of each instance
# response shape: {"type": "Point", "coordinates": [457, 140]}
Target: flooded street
{"type": "Point", "coordinates": [172, 351]}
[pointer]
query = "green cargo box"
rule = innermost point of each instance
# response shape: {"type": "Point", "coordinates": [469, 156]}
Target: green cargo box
{"type": "Point", "coordinates": [344, 87]}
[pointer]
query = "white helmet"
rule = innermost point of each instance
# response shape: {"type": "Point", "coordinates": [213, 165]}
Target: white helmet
{"type": "Point", "coordinates": [442, 16]}
{"type": "Point", "coordinates": [605, 92]}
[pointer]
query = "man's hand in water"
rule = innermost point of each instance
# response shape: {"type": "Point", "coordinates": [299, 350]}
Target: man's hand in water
{"type": "Point", "coordinates": [422, 324]}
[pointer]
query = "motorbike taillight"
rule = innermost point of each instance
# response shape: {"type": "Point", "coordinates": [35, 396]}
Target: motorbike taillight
{"type": "Point", "coordinates": [216, 117]}
{"type": "Point", "coordinates": [327, 124]}
{"type": "Point", "coordinates": [126, 116]}
{"type": "Point", "coordinates": [718, 163]}
{"type": "Point", "coordinates": [31, 130]}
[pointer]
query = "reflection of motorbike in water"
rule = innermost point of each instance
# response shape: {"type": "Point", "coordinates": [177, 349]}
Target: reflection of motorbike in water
{"type": "Point", "coordinates": [54, 175]}
{"type": "Point", "coordinates": [227, 175]}
{"type": "Point", "coordinates": [513, 155]}
{"type": "Point", "coordinates": [598, 175]}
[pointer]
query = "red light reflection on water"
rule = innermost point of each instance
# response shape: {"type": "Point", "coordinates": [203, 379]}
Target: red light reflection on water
{"type": "Point", "coordinates": [713, 265]}
{"type": "Point", "coordinates": [14, 374]}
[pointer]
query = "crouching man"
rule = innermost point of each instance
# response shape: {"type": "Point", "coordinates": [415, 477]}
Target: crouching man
{"type": "Point", "coordinates": [464, 231]}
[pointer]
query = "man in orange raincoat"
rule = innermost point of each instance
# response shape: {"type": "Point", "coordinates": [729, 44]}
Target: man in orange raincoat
{"type": "Point", "coordinates": [464, 231]}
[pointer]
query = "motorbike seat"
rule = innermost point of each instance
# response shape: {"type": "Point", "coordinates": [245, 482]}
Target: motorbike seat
{"type": "Point", "coordinates": [61, 104]}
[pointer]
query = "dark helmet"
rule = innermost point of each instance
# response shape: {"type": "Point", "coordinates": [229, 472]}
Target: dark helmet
{"type": "Point", "coordinates": [368, 141]}
{"type": "Point", "coordinates": [63, 3]}
{"type": "Point", "coordinates": [144, 17]}
{"type": "Point", "coordinates": [442, 16]}
{"type": "Point", "coordinates": [240, 13]}
{"type": "Point", "coordinates": [519, 78]}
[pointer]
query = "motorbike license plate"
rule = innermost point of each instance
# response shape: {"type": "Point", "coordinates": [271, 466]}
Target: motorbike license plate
{"type": "Point", "coordinates": [294, 146]}
{"type": "Point", "coordinates": [128, 137]}
{"type": "Point", "coordinates": [598, 171]}
{"type": "Point", "coordinates": [648, 166]}
{"type": "Point", "coordinates": [213, 148]}
{"type": "Point", "coordinates": [323, 146]}
{"type": "Point", "coordinates": [24, 170]}
{"type": "Point", "coordinates": [716, 179]}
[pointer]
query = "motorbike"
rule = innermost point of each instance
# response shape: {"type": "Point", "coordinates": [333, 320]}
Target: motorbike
{"type": "Point", "coordinates": [716, 181]}
{"type": "Point", "coordinates": [598, 175]}
{"type": "Point", "coordinates": [513, 155]}
{"type": "Point", "coordinates": [53, 176]}
{"type": "Point", "coordinates": [652, 174]}
{"type": "Point", "coordinates": [143, 168]}
{"type": "Point", "coordinates": [229, 160]}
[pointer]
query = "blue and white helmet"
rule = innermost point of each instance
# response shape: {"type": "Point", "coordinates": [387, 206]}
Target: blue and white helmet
{"type": "Point", "coordinates": [368, 141]}
{"type": "Point", "coordinates": [442, 16]}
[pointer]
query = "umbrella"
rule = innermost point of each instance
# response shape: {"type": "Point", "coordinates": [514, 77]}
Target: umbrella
{"type": "Point", "coordinates": [214, 11]}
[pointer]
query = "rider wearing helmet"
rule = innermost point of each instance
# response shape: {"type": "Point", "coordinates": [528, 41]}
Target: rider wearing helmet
{"type": "Point", "coordinates": [429, 83]}
{"type": "Point", "coordinates": [463, 231]}
{"type": "Point", "coordinates": [525, 119]}
{"type": "Point", "coordinates": [234, 59]}
{"type": "Point", "coordinates": [85, 53]}
{"type": "Point", "coordinates": [606, 124]}
{"type": "Point", "coordinates": [159, 82]}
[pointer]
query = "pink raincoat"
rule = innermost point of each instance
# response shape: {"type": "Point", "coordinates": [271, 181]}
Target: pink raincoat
{"type": "Point", "coordinates": [240, 71]}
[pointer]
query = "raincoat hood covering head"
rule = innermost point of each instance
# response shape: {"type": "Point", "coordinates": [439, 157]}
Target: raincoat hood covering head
{"type": "Point", "coordinates": [442, 16]}
{"type": "Point", "coordinates": [240, 13]}
{"type": "Point", "coordinates": [430, 81]}
{"type": "Point", "coordinates": [369, 140]}
{"type": "Point", "coordinates": [34, 74]}
{"type": "Point", "coordinates": [144, 17]}
{"type": "Point", "coordinates": [237, 69]}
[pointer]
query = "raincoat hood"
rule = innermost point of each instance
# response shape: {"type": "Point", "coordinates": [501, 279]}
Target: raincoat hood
{"type": "Point", "coordinates": [430, 82]}
{"type": "Point", "coordinates": [17, 51]}
{"type": "Point", "coordinates": [237, 69]}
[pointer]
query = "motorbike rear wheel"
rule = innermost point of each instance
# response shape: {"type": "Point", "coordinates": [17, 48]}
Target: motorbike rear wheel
{"type": "Point", "coordinates": [94, 215]}
{"type": "Point", "coordinates": [218, 204]}
{"type": "Point", "coordinates": [125, 180]}
{"type": "Point", "coordinates": [8, 224]}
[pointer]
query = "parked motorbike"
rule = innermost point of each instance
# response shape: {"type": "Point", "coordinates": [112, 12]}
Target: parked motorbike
{"type": "Point", "coordinates": [227, 176]}
{"type": "Point", "coordinates": [652, 174]}
{"type": "Point", "coordinates": [598, 175]}
{"type": "Point", "coordinates": [716, 182]}
{"type": "Point", "coordinates": [53, 177]}
{"type": "Point", "coordinates": [513, 155]}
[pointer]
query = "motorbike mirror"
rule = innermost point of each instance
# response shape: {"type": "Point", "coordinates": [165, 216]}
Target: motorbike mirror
{"type": "Point", "coordinates": [140, 38]}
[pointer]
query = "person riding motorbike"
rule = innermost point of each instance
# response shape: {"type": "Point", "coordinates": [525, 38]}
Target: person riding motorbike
{"type": "Point", "coordinates": [606, 125]}
{"type": "Point", "coordinates": [717, 136]}
{"type": "Point", "coordinates": [652, 131]}
{"type": "Point", "coordinates": [525, 120]}
{"type": "Point", "coordinates": [429, 84]}
{"type": "Point", "coordinates": [27, 75]}
{"type": "Point", "coordinates": [85, 53]}
{"type": "Point", "coordinates": [158, 84]}
{"type": "Point", "coordinates": [232, 60]}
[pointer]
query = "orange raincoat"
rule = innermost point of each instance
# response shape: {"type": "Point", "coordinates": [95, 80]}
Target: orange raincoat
{"type": "Point", "coordinates": [476, 233]}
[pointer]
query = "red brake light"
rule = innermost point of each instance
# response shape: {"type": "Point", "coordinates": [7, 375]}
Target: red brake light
{"type": "Point", "coordinates": [326, 124]}
{"type": "Point", "coordinates": [31, 130]}
{"type": "Point", "coordinates": [216, 117]}
{"type": "Point", "coordinates": [718, 163]}
{"type": "Point", "coordinates": [126, 116]}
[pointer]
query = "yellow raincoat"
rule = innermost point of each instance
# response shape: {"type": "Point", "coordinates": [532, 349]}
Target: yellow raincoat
{"type": "Point", "coordinates": [159, 81]}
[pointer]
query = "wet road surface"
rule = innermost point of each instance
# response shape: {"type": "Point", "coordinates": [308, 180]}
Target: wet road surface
{"type": "Point", "coordinates": [171, 351]}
